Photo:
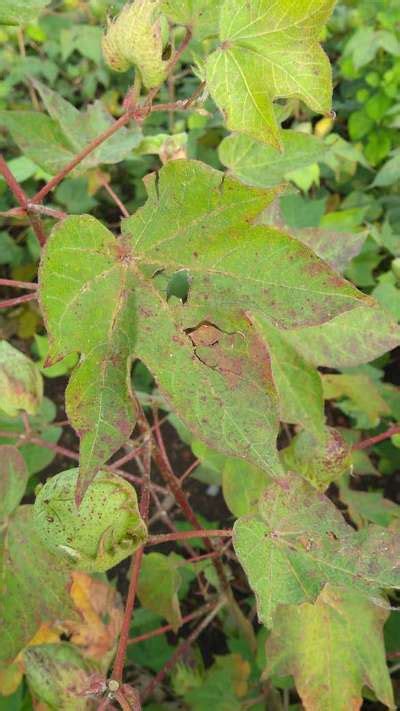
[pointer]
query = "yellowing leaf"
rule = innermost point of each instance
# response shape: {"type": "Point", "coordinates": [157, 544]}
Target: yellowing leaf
{"type": "Point", "coordinates": [361, 390]}
{"type": "Point", "coordinates": [333, 648]}
{"type": "Point", "coordinates": [269, 51]}
{"type": "Point", "coordinates": [21, 385]}
{"type": "Point", "coordinates": [101, 612]}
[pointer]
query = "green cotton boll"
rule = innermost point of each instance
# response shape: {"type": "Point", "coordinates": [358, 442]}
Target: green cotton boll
{"type": "Point", "coordinates": [135, 38]}
{"type": "Point", "coordinates": [105, 529]}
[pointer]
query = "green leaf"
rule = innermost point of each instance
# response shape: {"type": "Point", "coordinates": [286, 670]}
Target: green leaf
{"type": "Point", "coordinates": [33, 585]}
{"type": "Point", "coordinates": [58, 676]}
{"type": "Point", "coordinates": [21, 385]}
{"type": "Point", "coordinates": [158, 587]}
{"type": "Point", "coordinates": [269, 52]}
{"type": "Point", "coordinates": [242, 486]}
{"type": "Point", "coordinates": [53, 141]}
{"type": "Point", "coordinates": [195, 228]}
{"type": "Point", "coordinates": [261, 165]}
{"type": "Point", "coordinates": [224, 686]}
{"type": "Point", "coordinates": [360, 390]}
{"type": "Point", "coordinates": [388, 174]}
{"type": "Point", "coordinates": [20, 12]}
{"type": "Point", "coordinates": [369, 506]}
{"type": "Point", "coordinates": [333, 648]}
{"type": "Point", "coordinates": [288, 559]}
{"type": "Point", "coordinates": [350, 339]}
{"type": "Point", "coordinates": [88, 302]}
{"type": "Point", "coordinates": [200, 15]}
{"type": "Point", "coordinates": [13, 479]}
{"type": "Point", "coordinates": [320, 459]}
{"type": "Point", "coordinates": [298, 384]}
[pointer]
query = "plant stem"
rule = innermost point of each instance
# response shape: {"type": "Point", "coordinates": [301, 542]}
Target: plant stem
{"type": "Point", "coordinates": [137, 558]}
{"type": "Point", "coordinates": [15, 284]}
{"type": "Point", "coordinates": [8, 303]}
{"type": "Point", "coordinates": [183, 647]}
{"type": "Point", "coordinates": [365, 443]}
{"type": "Point", "coordinates": [22, 200]}
{"type": "Point", "coordinates": [187, 535]}
{"type": "Point", "coordinates": [169, 628]}
{"type": "Point", "coordinates": [115, 198]}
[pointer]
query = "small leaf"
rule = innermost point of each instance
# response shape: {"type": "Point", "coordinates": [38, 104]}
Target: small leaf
{"type": "Point", "coordinates": [261, 165]}
{"type": "Point", "coordinates": [158, 587]}
{"type": "Point", "coordinates": [20, 12]}
{"type": "Point", "coordinates": [105, 529]}
{"type": "Point", "coordinates": [33, 585]}
{"type": "Point", "coordinates": [289, 559]}
{"type": "Point", "coordinates": [58, 676]}
{"type": "Point", "coordinates": [269, 52]}
{"type": "Point", "coordinates": [13, 479]}
{"type": "Point", "coordinates": [200, 15]}
{"type": "Point", "coordinates": [333, 648]}
{"type": "Point", "coordinates": [224, 686]}
{"type": "Point", "coordinates": [362, 392]}
{"type": "Point", "coordinates": [388, 174]}
{"type": "Point", "coordinates": [88, 302]}
{"type": "Point", "coordinates": [321, 459]}
{"type": "Point", "coordinates": [21, 385]}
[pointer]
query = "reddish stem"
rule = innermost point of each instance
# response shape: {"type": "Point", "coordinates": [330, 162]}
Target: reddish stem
{"type": "Point", "coordinates": [15, 284]}
{"type": "Point", "coordinates": [137, 558]}
{"type": "Point", "coordinates": [180, 651]}
{"type": "Point", "coordinates": [8, 303]}
{"type": "Point", "coordinates": [57, 179]}
{"type": "Point", "coordinates": [22, 200]}
{"type": "Point", "coordinates": [170, 628]}
{"type": "Point", "coordinates": [365, 443]}
{"type": "Point", "coordinates": [115, 197]}
{"type": "Point", "coordinates": [187, 535]}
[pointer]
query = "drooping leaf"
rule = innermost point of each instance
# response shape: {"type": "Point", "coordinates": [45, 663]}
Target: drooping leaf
{"type": "Point", "coordinates": [369, 506]}
{"type": "Point", "coordinates": [333, 648]}
{"type": "Point", "coordinates": [53, 141]}
{"type": "Point", "coordinates": [13, 479]}
{"type": "Point", "coordinates": [268, 52]}
{"type": "Point", "coordinates": [20, 12]}
{"type": "Point", "coordinates": [21, 385]}
{"type": "Point", "coordinates": [261, 165]}
{"type": "Point", "coordinates": [320, 459]}
{"type": "Point", "coordinates": [33, 584]}
{"type": "Point", "coordinates": [58, 676]}
{"type": "Point", "coordinates": [242, 486]}
{"type": "Point", "coordinates": [288, 559]}
{"type": "Point", "coordinates": [362, 392]}
{"type": "Point", "coordinates": [200, 15]}
{"type": "Point", "coordinates": [158, 587]}
{"type": "Point", "coordinates": [343, 341]}
{"type": "Point", "coordinates": [389, 173]}
{"type": "Point", "coordinates": [298, 384]}
{"type": "Point", "coordinates": [88, 302]}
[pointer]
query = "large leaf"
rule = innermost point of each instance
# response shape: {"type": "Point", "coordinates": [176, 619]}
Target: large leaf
{"type": "Point", "coordinates": [88, 301]}
{"type": "Point", "coordinates": [288, 559]}
{"type": "Point", "coordinates": [53, 141]}
{"type": "Point", "coordinates": [332, 648]}
{"type": "Point", "coordinates": [18, 12]}
{"type": "Point", "coordinates": [33, 585]}
{"type": "Point", "coordinates": [259, 164]}
{"type": "Point", "coordinates": [197, 219]}
{"type": "Point", "coordinates": [105, 298]}
{"type": "Point", "coordinates": [269, 51]}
